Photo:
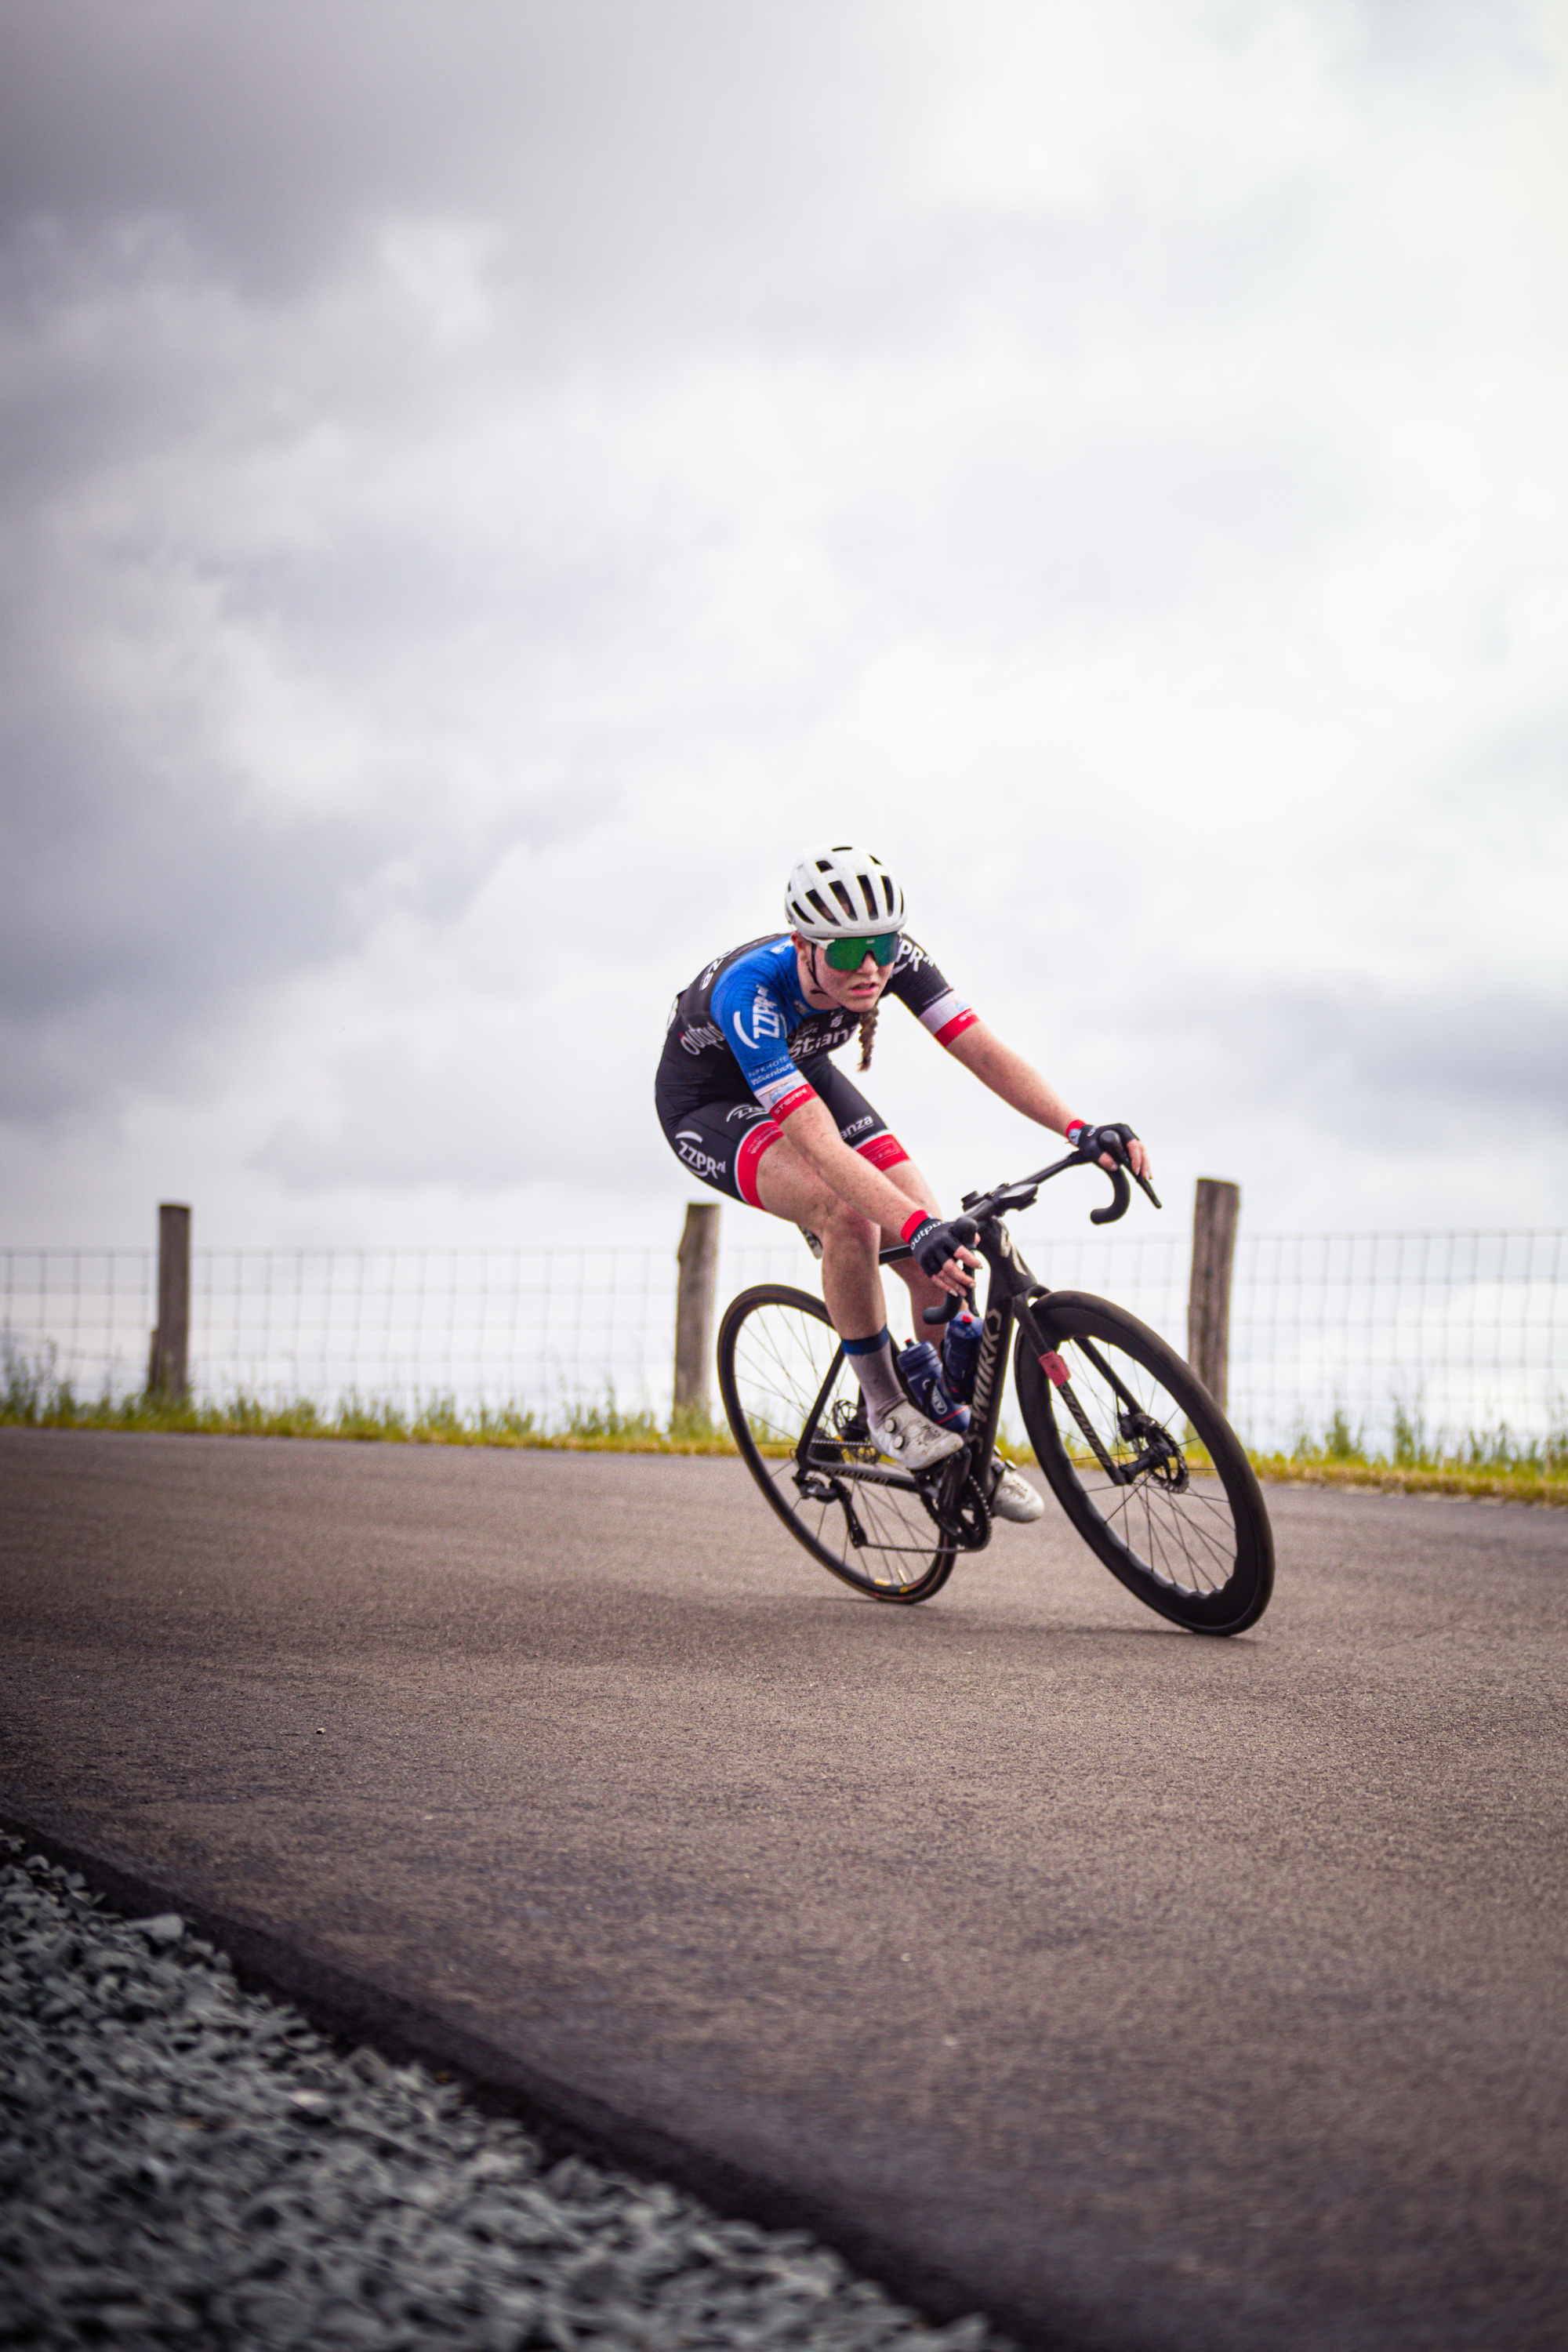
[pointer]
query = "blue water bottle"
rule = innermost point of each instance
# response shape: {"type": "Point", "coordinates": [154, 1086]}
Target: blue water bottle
{"type": "Point", "coordinates": [921, 1369]}
{"type": "Point", "coordinates": [960, 1354]}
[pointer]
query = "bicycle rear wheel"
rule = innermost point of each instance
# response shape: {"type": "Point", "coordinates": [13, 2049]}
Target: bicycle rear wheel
{"type": "Point", "coordinates": [1178, 1516]}
{"type": "Point", "coordinates": [795, 1407]}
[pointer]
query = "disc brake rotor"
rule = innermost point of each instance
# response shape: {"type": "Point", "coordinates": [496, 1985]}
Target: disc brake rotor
{"type": "Point", "coordinates": [1160, 1458]}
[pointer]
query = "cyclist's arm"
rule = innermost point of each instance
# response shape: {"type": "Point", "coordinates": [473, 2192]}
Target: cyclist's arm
{"type": "Point", "coordinates": [814, 1135]}
{"type": "Point", "coordinates": [1020, 1084]}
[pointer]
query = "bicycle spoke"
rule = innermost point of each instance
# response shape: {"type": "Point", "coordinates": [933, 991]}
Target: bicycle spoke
{"type": "Point", "coordinates": [777, 1352]}
{"type": "Point", "coordinates": [1184, 1537]}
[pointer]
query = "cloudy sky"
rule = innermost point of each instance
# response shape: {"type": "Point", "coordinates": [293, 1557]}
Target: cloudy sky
{"type": "Point", "coordinates": [486, 484]}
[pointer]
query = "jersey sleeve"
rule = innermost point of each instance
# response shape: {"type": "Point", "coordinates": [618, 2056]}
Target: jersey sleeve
{"type": "Point", "coordinates": [930, 997]}
{"type": "Point", "coordinates": [754, 1019]}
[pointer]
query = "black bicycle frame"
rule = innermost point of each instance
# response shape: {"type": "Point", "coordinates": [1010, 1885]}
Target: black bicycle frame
{"type": "Point", "coordinates": [1013, 1295]}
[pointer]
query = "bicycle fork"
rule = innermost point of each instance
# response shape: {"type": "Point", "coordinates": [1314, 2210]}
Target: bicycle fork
{"type": "Point", "coordinates": [1014, 1295]}
{"type": "Point", "coordinates": [1158, 1451]}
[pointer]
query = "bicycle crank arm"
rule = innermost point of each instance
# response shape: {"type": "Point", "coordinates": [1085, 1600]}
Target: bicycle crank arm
{"type": "Point", "coordinates": [958, 1504]}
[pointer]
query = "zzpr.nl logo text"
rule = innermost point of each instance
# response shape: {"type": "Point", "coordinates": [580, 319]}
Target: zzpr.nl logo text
{"type": "Point", "coordinates": [692, 1152]}
{"type": "Point", "coordinates": [768, 1020]}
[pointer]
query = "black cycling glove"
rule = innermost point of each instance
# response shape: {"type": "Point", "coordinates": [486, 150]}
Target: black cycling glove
{"type": "Point", "coordinates": [1089, 1143]}
{"type": "Point", "coordinates": [933, 1244]}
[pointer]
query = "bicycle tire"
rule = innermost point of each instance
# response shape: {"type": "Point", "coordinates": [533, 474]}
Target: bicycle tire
{"type": "Point", "coordinates": [778, 1353]}
{"type": "Point", "coordinates": [1193, 1544]}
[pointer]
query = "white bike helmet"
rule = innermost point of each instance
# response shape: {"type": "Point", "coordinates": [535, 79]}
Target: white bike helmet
{"type": "Point", "coordinates": [843, 893]}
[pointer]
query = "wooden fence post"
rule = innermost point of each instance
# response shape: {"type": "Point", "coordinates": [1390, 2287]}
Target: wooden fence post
{"type": "Point", "coordinates": [698, 1258]}
{"type": "Point", "coordinates": [1216, 1209]}
{"type": "Point", "coordinates": [169, 1359]}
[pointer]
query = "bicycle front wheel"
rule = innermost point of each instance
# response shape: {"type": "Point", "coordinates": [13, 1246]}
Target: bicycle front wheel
{"type": "Point", "coordinates": [795, 1407]}
{"type": "Point", "coordinates": [1145, 1465]}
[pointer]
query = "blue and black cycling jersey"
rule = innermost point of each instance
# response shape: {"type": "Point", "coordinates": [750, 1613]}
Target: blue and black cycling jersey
{"type": "Point", "coordinates": [743, 1030]}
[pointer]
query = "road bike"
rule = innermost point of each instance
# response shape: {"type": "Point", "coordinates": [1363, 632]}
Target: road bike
{"type": "Point", "coordinates": [1132, 1445]}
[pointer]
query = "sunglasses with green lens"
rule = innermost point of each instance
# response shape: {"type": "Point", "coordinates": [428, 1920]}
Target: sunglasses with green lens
{"type": "Point", "coordinates": [848, 955]}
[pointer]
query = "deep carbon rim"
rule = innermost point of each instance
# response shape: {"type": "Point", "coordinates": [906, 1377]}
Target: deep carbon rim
{"type": "Point", "coordinates": [1184, 1526]}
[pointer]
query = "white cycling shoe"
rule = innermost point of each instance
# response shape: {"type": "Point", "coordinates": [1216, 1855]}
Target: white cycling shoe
{"type": "Point", "coordinates": [904, 1432]}
{"type": "Point", "coordinates": [1012, 1496]}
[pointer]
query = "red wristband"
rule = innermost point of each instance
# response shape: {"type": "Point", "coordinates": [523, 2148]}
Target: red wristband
{"type": "Point", "coordinates": [912, 1224]}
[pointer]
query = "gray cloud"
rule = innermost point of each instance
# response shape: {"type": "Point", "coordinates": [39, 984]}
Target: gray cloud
{"type": "Point", "coordinates": [1446, 38]}
{"type": "Point", "coordinates": [136, 910]}
{"type": "Point", "coordinates": [142, 911]}
{"type": "Point", "coordinates": [1469, 1067]}
{"type": "Point", "coordinates": [739, 457]}
{"type": "Point", "coordinates": [643, 170]}
{"type": "Point", "coordinates": [615, 149]}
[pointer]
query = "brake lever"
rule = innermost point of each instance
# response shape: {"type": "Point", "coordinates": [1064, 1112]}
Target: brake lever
{"type": "Point", "coordinates": [1118, 1204]}
{"type": "Point", "coordinates": [946, 1311]}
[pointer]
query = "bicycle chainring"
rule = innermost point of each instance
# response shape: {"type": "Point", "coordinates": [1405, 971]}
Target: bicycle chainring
{"type": "Point", "coordinates": [967, 1521]}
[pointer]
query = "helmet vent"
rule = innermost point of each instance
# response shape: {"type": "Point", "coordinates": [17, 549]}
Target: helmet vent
{"type": "Point", "coordinates": [843, 891]}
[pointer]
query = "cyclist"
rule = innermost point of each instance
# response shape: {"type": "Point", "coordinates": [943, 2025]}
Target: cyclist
{"type": "Point", "coordinates": [751, 1102]}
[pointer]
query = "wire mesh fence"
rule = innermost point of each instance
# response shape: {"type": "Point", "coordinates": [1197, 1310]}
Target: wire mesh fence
{"type": "Point", "coordinates": [546, 1329]}
{"type": "Point", "coordinates": [1455, 1332]}
{"type": "Point", "coordinates": [1452, 1335]}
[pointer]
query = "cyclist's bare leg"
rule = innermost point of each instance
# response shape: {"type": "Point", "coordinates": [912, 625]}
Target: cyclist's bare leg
{"type": "Point", "coordinates": [789, 1187]}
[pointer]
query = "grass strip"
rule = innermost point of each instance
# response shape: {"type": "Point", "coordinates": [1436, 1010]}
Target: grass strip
{"type": "Point", "coordinates": [599, 1428]}
{"type": "Point", "coordinates": [1509, 1484]}
{"type": "Point", "coordinates": [1493, 1467]}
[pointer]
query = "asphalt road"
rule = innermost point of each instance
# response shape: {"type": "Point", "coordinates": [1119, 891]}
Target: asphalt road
{"type": "Point", "coordinates": [1143, 1991]}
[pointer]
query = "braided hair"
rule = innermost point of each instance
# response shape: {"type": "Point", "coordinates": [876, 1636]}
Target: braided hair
{"type": "Point", "coordinates": [868, 1033]}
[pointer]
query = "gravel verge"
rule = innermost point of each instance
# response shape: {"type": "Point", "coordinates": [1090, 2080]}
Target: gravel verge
{"type": "Point", "coordinates": [186, 2163]}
